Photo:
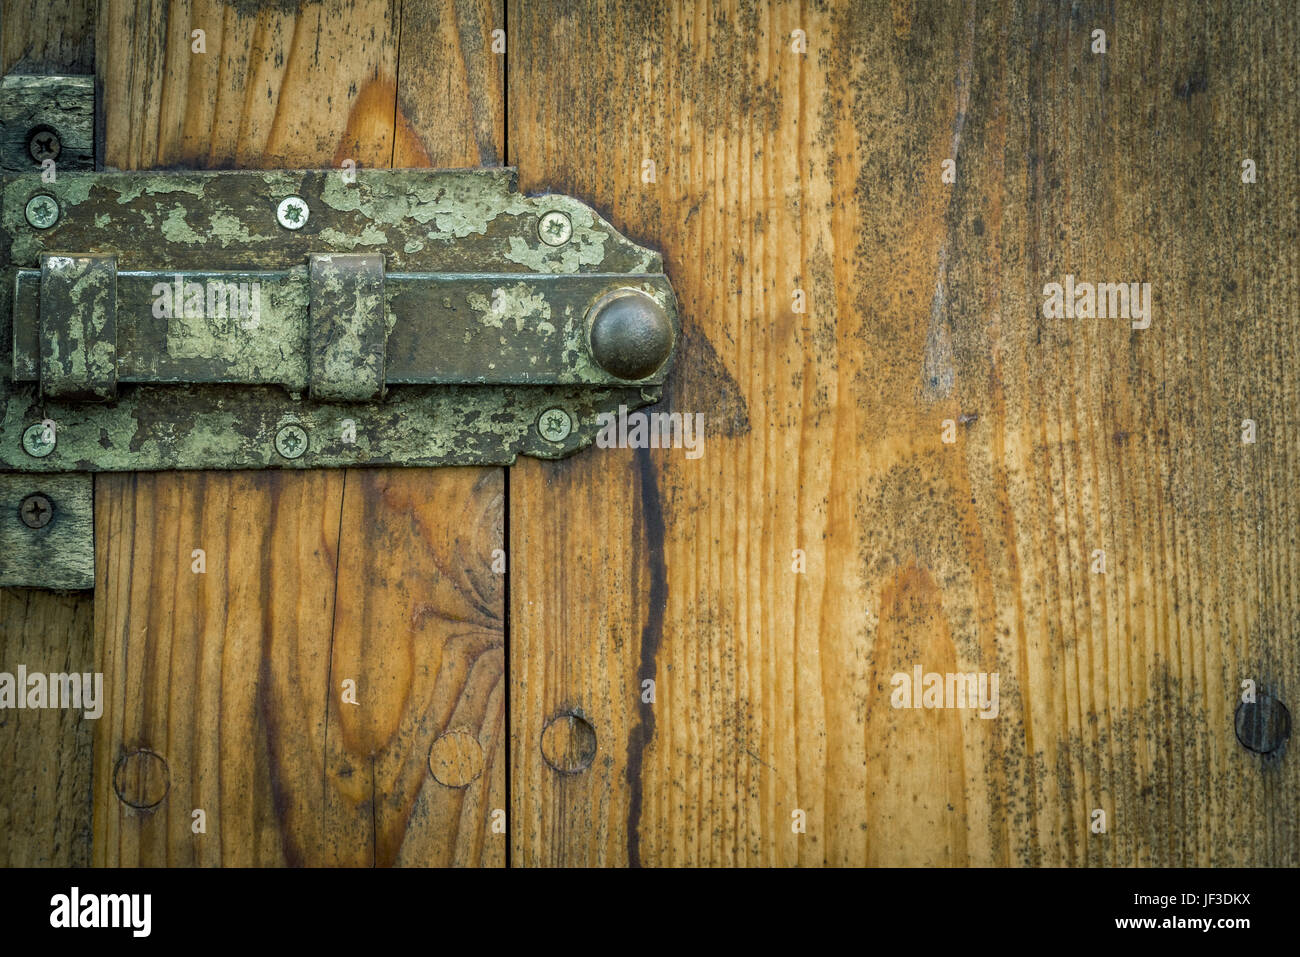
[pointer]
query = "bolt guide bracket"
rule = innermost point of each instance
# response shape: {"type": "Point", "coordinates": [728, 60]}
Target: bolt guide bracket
{"type": "Point", "coordinates": [300, 319]}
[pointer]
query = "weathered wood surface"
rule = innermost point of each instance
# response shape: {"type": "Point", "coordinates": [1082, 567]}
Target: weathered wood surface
{"type": "Point", "coordinates": [779, 171]}
{"type": "Point", "coordinates": [47, 36]}
{"type": "Point", "coordinates": [58, 554]}
{"type": "Point", "coordinates": [775, 171]}
{"type": "Point", "coordinates": [66, 103]}
{"type": "Point", "coordinates": [45, 756]}
{"type": "Point", "coordinates": [235, 676]}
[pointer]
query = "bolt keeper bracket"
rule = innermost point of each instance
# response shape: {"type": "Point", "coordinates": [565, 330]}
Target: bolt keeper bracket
{"type": "Point", "coordinates": [177, 320]}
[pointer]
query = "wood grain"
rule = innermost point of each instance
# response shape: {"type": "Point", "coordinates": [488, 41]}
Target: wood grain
{"type": "Point", "coordinates": [448, 606]}
{"type": "Point", "coordinates": [821, 172]}
{"type": "Point", "coordinates": [46, 754]}
{"type": "Point", "coordinates": [381, 578]}
{"type": "Point", "coordinates": [419, 626]}
{"type": "Point", "coordinates": [48, 36]}
{"type": "Point", "coordinates": [451, 88]}
{"type": "Point", "coordinates": [222, 673]}
{"type": "Point", "coordinates": [277, 86]}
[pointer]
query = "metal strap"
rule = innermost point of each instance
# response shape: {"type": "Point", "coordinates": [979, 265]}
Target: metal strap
{"type": "Point", "coordinates": [78, 327]}
{"type": "Point", "coordinates": [348, 332]}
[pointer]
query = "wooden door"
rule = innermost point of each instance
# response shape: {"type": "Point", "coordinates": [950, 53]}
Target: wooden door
{"type": "Point", "coordinates": [220, 682]}
{"type": "Point", "coordinates": [907, 461]}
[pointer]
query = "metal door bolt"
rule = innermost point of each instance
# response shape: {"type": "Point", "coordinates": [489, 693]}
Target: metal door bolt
{"type": "Point", "coordinates": [292, 212]}
{"type": "Point", "coordinates": [352, 322]}
{"type": "Point", "coordinates": [36, 511]}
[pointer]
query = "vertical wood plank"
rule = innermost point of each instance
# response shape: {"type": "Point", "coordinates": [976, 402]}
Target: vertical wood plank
{"type": "Point", "coordinates": [418, 626]}
{"type": "Point", "coordinates": [276, 87]}
{"type": "Point", "coordinates": [420, 616]}
{"type": "Point", "coordinates": [382, 577]}
{"type": "Point", "coordinates": [820, 172]}
{"type": "Point", "coordinates": [216, 679]}
{"type": "Point", "coordinates": [47, 755]}
{"type": "Point", "coordinates": [451, 88]}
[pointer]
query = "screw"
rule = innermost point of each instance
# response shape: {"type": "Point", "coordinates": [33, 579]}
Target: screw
{"type": "Point", "coordinates": [554, 425]}
{"type": "Point", "coordinates": [554, 229]}
{"type": "Point", "coordinates": [42, 211]}
{"type": "Point", "coordinates": [36, 511]}
{"type": "Point", "coordinates": [38, 440]}
{"type": "Point", "coordinates": [291, 441]}
{"type": "Point", "coordinates": [292, 212]}
{"type": "Point", "coordinates": [42, 144]}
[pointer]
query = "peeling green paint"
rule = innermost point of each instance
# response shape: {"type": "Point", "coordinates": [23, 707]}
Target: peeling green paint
{"type": "Point", "coordinates": [177, 230]}
{"type": "Point", "coordinates": [458, 288]}
{"type": "Point", "coordinates": [517, 304]}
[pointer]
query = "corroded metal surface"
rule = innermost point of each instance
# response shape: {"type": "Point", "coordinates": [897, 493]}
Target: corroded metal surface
{"type": "Point", "coordinates": [439, 328]}
{"type": "Point", "coordinates": [348, 335]}
{"type": "Point", "coordinates": [420, 220]}
{"type": "Point", "coordinates": [216, 427]}
{"type": "Point", "coordinates": [416, 318]}
{"type": "Point", "coordinates": [78, 327]}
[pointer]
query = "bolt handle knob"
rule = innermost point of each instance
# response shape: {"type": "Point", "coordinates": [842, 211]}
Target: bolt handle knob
{"type": "Point", "coordinates": [631, 336]}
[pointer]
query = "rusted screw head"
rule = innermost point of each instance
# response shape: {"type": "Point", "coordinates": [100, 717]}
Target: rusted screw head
{"type": "Point", "coordinates": [554, 425]}
{"type": "Point", "coordinates": [631, 336]}
{"type": "Point", "coordinates": [42, 144]}
{"type": "Point", "coordinates": [291, 441]}
{"type": "Point", "coordinates": [39, 440]}
{"type": "Point", "coordinates": [42, 211]}
{"type": "Point", "coordinates": [36, 511]}
{"type": "Point", "coordinates": [554, 229]}
{"type": "Point", "coordinates": [292, 212]}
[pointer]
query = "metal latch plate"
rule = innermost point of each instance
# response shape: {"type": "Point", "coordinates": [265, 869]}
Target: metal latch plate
{"type": "Point", "coordinates": [456, 325]}
{"type": "Point", "coordinates": [373, 317]}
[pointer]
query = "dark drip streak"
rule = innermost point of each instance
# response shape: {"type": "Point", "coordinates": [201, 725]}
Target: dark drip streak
{"type": "Point", "coordinates": [652, 634]}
